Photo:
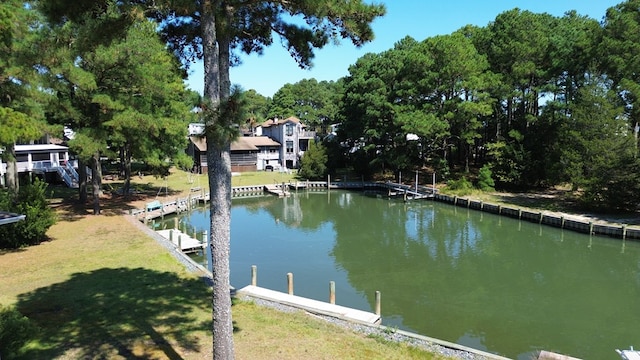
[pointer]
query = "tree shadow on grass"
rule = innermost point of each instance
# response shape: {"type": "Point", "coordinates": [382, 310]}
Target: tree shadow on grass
{"type": "Point", "coordinates": [118, 313]}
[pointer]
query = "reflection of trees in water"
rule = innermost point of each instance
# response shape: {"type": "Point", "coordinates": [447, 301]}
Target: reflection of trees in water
{"type": "Point", "coordinates": [451, 273]}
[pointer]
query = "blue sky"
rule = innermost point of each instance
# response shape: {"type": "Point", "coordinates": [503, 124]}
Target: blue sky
{"type": "Point", "coordinates": [416, 18]}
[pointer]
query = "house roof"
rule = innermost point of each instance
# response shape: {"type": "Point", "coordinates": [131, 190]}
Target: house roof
{"type": "Point", "coordinates": [9, 218]}
{"type": "Point", "coordinates": [199, 142]}
{"type": "Point", "coordinates": [243, 143]}
{"type": "Point", "coordinates": [273, 122]}
{"type": "Point", "coordinates": [40, 147]}
{"type": "Point", "coordinates": [262, 141]}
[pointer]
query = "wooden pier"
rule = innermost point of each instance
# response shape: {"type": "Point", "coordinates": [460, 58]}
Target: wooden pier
{"type": "Point", "coordinates": [183, 241]}
{"type": "Point", "coordinates": [278, 190]}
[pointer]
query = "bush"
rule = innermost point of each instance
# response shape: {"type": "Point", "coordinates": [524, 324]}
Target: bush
{"type": "Point", "coordinates": [485, 181]}
{"type": "Point", "coordinates": [461, 187]}
{"type": "Point", "coordinates": [15, 331]}
{"type": "Point", "coordinates": [31, 201]}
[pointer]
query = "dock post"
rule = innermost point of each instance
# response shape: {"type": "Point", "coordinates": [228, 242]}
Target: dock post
{"type": "Point", "coordinates": [332, 292]}
{"type": "Point", "coordinates": [290, 283]}
{"type": "Point", "coordinates": [171, 236]}
{"type": "Point", "coordinates": [561, 222]}
{"type": "Point", "coordinates": [624, 232]}
{"type": "Point", "coordinates": [254, 275]}
{"type": "Point", "coordinates": [378, 303]}
{"type": "Point", "coordinates": [180, 242]}
{"type": "Point", "coordinates": [590, 227]}
{"type": "Point", "coordinates": [204, 236]}
{"type": "Point", "coordinates": [209, 255]}
{"type": "Point", "coordinates": [541, 215]}
{"type": "Point", "coordinates": [519, 214]}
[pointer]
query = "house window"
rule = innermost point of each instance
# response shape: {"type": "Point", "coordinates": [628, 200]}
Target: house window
{"type": "Point", "coordinates": [40, 157]}
{"type": "Point", "coordinates": [289, 147]}
{"type": "Point", "coordinates": [289, 130]}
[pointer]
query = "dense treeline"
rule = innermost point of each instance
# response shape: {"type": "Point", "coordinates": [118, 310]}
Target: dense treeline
{"type": "Point", "coordinates": [541, 100]}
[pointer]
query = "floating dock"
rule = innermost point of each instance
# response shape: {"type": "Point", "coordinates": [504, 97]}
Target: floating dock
{"type": "Point", "coordinates": [279, 190]}
{"type": "Point", "coordinates": [310, 305]}
{"type": "Point", "coordinates": [183, 241]}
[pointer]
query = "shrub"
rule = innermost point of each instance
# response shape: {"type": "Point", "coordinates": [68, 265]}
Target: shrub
{"type": "Point", "coordinates": [31, 201]}
{"type": "Point", "coordinates": [15, 331]}
{"type": "Point", "coordinates": [461, 187]}
{"type": "Point", "coordinates": [485, 181]}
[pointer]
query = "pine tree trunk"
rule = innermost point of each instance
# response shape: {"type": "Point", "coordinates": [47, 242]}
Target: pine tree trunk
{"type": "Point", "coordinates": [96, 182]}
{"type": "Point", "coordinates": [219, 173]}
{"type": "Point", "coordinates": [126, 161]}
{"type": "Point", "coordinates": [82, 182]}
{"type": "Point", "coordinates": [12, 170]}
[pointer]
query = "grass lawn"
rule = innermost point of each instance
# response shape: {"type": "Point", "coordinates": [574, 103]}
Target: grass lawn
{"type": "Point", "coordinates": [101, 289]}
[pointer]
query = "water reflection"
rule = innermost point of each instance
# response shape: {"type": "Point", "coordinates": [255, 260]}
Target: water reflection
{"type": "Point", "coordinates": [492, 283]}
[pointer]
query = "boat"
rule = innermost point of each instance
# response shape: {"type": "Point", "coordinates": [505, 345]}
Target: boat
{"type": "Point", "coordinates": [630, 354]}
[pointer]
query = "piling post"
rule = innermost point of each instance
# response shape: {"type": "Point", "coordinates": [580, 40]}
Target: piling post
{"type": "Point", "coordinates": [204, 236]}
{"type": "Point", "coordinates": [180, 242]}
{"type": "Point", "coordinates": [290, 283]}
{"type": "Point", "coordinates": [175, 222]}
{"type": "Point", "coordinates": [590, 227]}
{"type": "Point", "coordinates": [455, 200]}
{"type": "Point", "coordinates": [519, 214]}
{"type": "Point", "coordinates": [624, 232]}
{"type": "Point", "coordinates": [332, 292]}
{"type": "Point", "coordinates": [499, 209]}
{"type": "Point", "coordinates": [541, 215]}
{"type": "Point", "coordinates": [254, 275]}
{"type": "Point", "coordinates": [378, 312]}
{"type": "Point", "coordinates": [561, 222]}
{"type": "Point", "coordinates": [171, 236]}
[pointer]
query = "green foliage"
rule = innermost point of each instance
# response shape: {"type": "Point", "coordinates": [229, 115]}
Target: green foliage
{"type": "Point", "coordinates": [31, 201]}
{"type": "Point", "coordinates": [485, 181]}
{"type": "Point", "coordinates": [314, 103]}
{"type": "Point", "coordinates": [461, 186]}
{"type": "Point", "coordinates": [15, 331]}
{"type": "Point", "coordinates": [313, 164]}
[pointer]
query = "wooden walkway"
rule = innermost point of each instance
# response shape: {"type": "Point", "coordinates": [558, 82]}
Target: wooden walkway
{"type": "Point", "coordinates": [310, 305]}
{"type": "Point", "coordinates": [279, 190]}
{"type": "Point", "coordinates": [183, 241]}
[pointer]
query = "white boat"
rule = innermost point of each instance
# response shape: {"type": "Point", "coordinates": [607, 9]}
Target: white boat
{"type": "Point", "coordinates": [630, 354]}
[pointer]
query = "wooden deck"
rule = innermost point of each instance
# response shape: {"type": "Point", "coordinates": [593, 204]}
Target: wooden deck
{"type": "Point", "coordinates": [186, 243]}
{"type": "Point", "coordinates": [279, 190]}
{"type": "Point", "coordinates": [310, 305]}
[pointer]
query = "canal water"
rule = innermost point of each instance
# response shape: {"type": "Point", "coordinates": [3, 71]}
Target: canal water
{"type": "Point", "coordinates": [492, 283]}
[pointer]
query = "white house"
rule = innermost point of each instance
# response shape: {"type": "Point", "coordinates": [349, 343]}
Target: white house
{"type": "Point", "coordinates": [44, 159]}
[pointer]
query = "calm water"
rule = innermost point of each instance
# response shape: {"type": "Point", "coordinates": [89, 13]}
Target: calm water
{"type": "Point", "coordinates": [480, 280]}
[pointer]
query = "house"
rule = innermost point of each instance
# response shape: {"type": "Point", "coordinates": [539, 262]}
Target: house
{"type": "Point", "coordinates": [292, 134]}
{"type": "Point", "coordinates": [45, 159]}
{"type": "Point", "coordinates": [248, 153]}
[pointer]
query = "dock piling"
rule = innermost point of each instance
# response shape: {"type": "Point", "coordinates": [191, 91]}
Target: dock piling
{"type": "Point", "coordinates": [254, 275]}
{"type": "Point", "coordinates": [332, 292]}
{"type": "Point", "coordinates": [378, 312]}
{"type": "Point", "coordinates": [290, 283]}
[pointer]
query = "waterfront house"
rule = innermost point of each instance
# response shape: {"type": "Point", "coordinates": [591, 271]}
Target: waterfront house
{"type": "Point", "coordinates": [43, 158]}
{"type": "Point", "coordinates": [248, 153]}
{"type": "Point", "coordinates": [292, 134]}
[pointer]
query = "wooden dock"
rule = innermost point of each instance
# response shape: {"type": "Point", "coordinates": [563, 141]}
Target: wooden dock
{"type": "Point", "coordinates": [279, 190]}
{"type": "Point", "coordinates": [183, 241]}
{"type": "Point", "coordinates": [310, 305]}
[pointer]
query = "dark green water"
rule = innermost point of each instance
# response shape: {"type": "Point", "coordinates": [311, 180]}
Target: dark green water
{"type": "Point", "coordinates": [480, 280]}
